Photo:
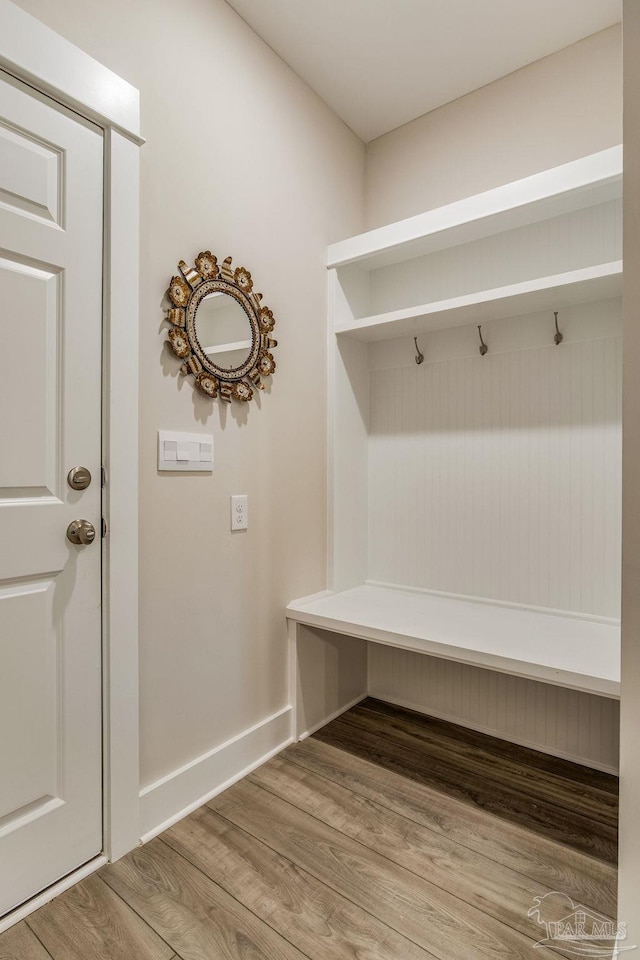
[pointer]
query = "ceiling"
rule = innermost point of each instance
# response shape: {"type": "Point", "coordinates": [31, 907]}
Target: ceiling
{"type": "Point", "coordinates": [380, 63]}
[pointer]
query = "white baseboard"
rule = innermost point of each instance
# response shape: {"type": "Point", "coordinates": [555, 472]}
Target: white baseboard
{"type": "Point", "coordinates": [332, 716]}
{"type": "Point", "coordinates": [521, 741]}
{"type": "Point", "coordinates": [173, 797]}
{"type": "Point", "coordinates": [51, 892]}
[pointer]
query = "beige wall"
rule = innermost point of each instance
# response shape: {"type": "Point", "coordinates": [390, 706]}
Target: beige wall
{"type": "Point", "coordinates": [629, 876]}
{"type": "Point", "coordinates": [555, 110]}
{"type": "Point", "coordinates": [242, 158]}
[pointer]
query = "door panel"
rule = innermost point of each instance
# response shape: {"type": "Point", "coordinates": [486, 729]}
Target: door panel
{"type": "Point", "coordinates": [50, 387]}
{"type": "Point", "coordinates": [28, 702]}
{"type": "Point", "coordinates": [29, 323]}
{"type": "Point", "coordinates": [32, 175]}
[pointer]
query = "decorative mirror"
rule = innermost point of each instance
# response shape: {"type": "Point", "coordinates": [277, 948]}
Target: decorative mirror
{"type": "Point", "coordinates": [220, 328]}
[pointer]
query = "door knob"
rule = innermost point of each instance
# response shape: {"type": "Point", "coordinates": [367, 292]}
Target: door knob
{"type": "Point", "coordinates": [81, 532]}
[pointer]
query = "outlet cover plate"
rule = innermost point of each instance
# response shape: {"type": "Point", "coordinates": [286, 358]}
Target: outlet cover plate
{"type": "Point", "coordinates": [239, 512]}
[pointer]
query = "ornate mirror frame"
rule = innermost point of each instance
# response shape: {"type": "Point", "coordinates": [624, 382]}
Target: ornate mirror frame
{"type": "Point", "coordinates": [186, 292]}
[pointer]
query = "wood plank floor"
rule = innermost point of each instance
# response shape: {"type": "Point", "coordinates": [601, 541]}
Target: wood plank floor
{"type": "Point", "coordinates": [386, 836]}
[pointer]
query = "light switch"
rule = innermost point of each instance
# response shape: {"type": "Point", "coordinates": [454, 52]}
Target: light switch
{"type": "Point", "coordinates": [185, 451]}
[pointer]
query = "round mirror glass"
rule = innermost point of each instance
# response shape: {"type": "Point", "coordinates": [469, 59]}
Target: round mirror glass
{"type": "Point", "coordinates": [223, 329]}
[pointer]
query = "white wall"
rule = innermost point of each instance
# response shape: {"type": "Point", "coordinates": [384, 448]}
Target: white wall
{"type": "Point", "coordinates": [499, 476]}
{"type": "Point", "coordinates": [243, 159]}
{"type": "Point", "coordinates": [629, 869]}
{"type": "Point", "coordinates": [565, 723]}
{"type": "Point", "coordinates": [550, 112]}
{"type": "Point", "coordinates": [554, 110]}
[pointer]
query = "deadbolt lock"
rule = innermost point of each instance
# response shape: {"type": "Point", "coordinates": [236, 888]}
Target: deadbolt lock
{"type": "Point", "coordinates": [79, 478]}
{"type": "Point", "coordinates": [81, 532]}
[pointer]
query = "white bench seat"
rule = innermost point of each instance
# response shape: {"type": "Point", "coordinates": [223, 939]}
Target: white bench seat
{"type": "Point", "coordinates": [568, 650]}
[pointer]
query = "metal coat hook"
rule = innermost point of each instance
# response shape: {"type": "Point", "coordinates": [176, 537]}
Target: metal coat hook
{"type": "Point", "coordinates": [483, 348]}
{"type": "Point", "coordinates": [419, 354]}
{"type": "Point", "coordinates": [558, 337]}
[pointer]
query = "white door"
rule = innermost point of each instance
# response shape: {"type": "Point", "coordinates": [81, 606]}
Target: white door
{"type": "Point", "coordinates": [51, 166]}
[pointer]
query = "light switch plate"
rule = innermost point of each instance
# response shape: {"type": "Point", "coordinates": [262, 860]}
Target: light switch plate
{"type": "Point", "coordinates": [185, 451]}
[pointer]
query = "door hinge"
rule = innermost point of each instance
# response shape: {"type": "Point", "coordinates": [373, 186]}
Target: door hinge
{"type": "Point", "coordinates": [105, 528]}
{"type": "Point", "coordinates": [103, 476]}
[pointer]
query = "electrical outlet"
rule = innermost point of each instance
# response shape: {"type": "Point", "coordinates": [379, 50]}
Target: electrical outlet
{"type": "Point", "coordinates": [239, 512]}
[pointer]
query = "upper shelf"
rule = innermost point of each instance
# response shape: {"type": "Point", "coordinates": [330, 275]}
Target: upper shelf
{"type": "Point", "coordinates": [573, 186]}
{"type": "Point", "coordinates": [599, 282]}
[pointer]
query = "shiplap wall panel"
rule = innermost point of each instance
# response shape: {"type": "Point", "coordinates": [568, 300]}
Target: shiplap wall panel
{"type": "Point", "coordinates": [566, 723]}
{"type": "Point", "coordinates": [575, 240]}
{"type": "Point", "coordinates": [500, 476]}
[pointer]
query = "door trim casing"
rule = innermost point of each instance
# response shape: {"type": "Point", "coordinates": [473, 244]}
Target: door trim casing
{"type": "Point", "coordinates": [32, 52]}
